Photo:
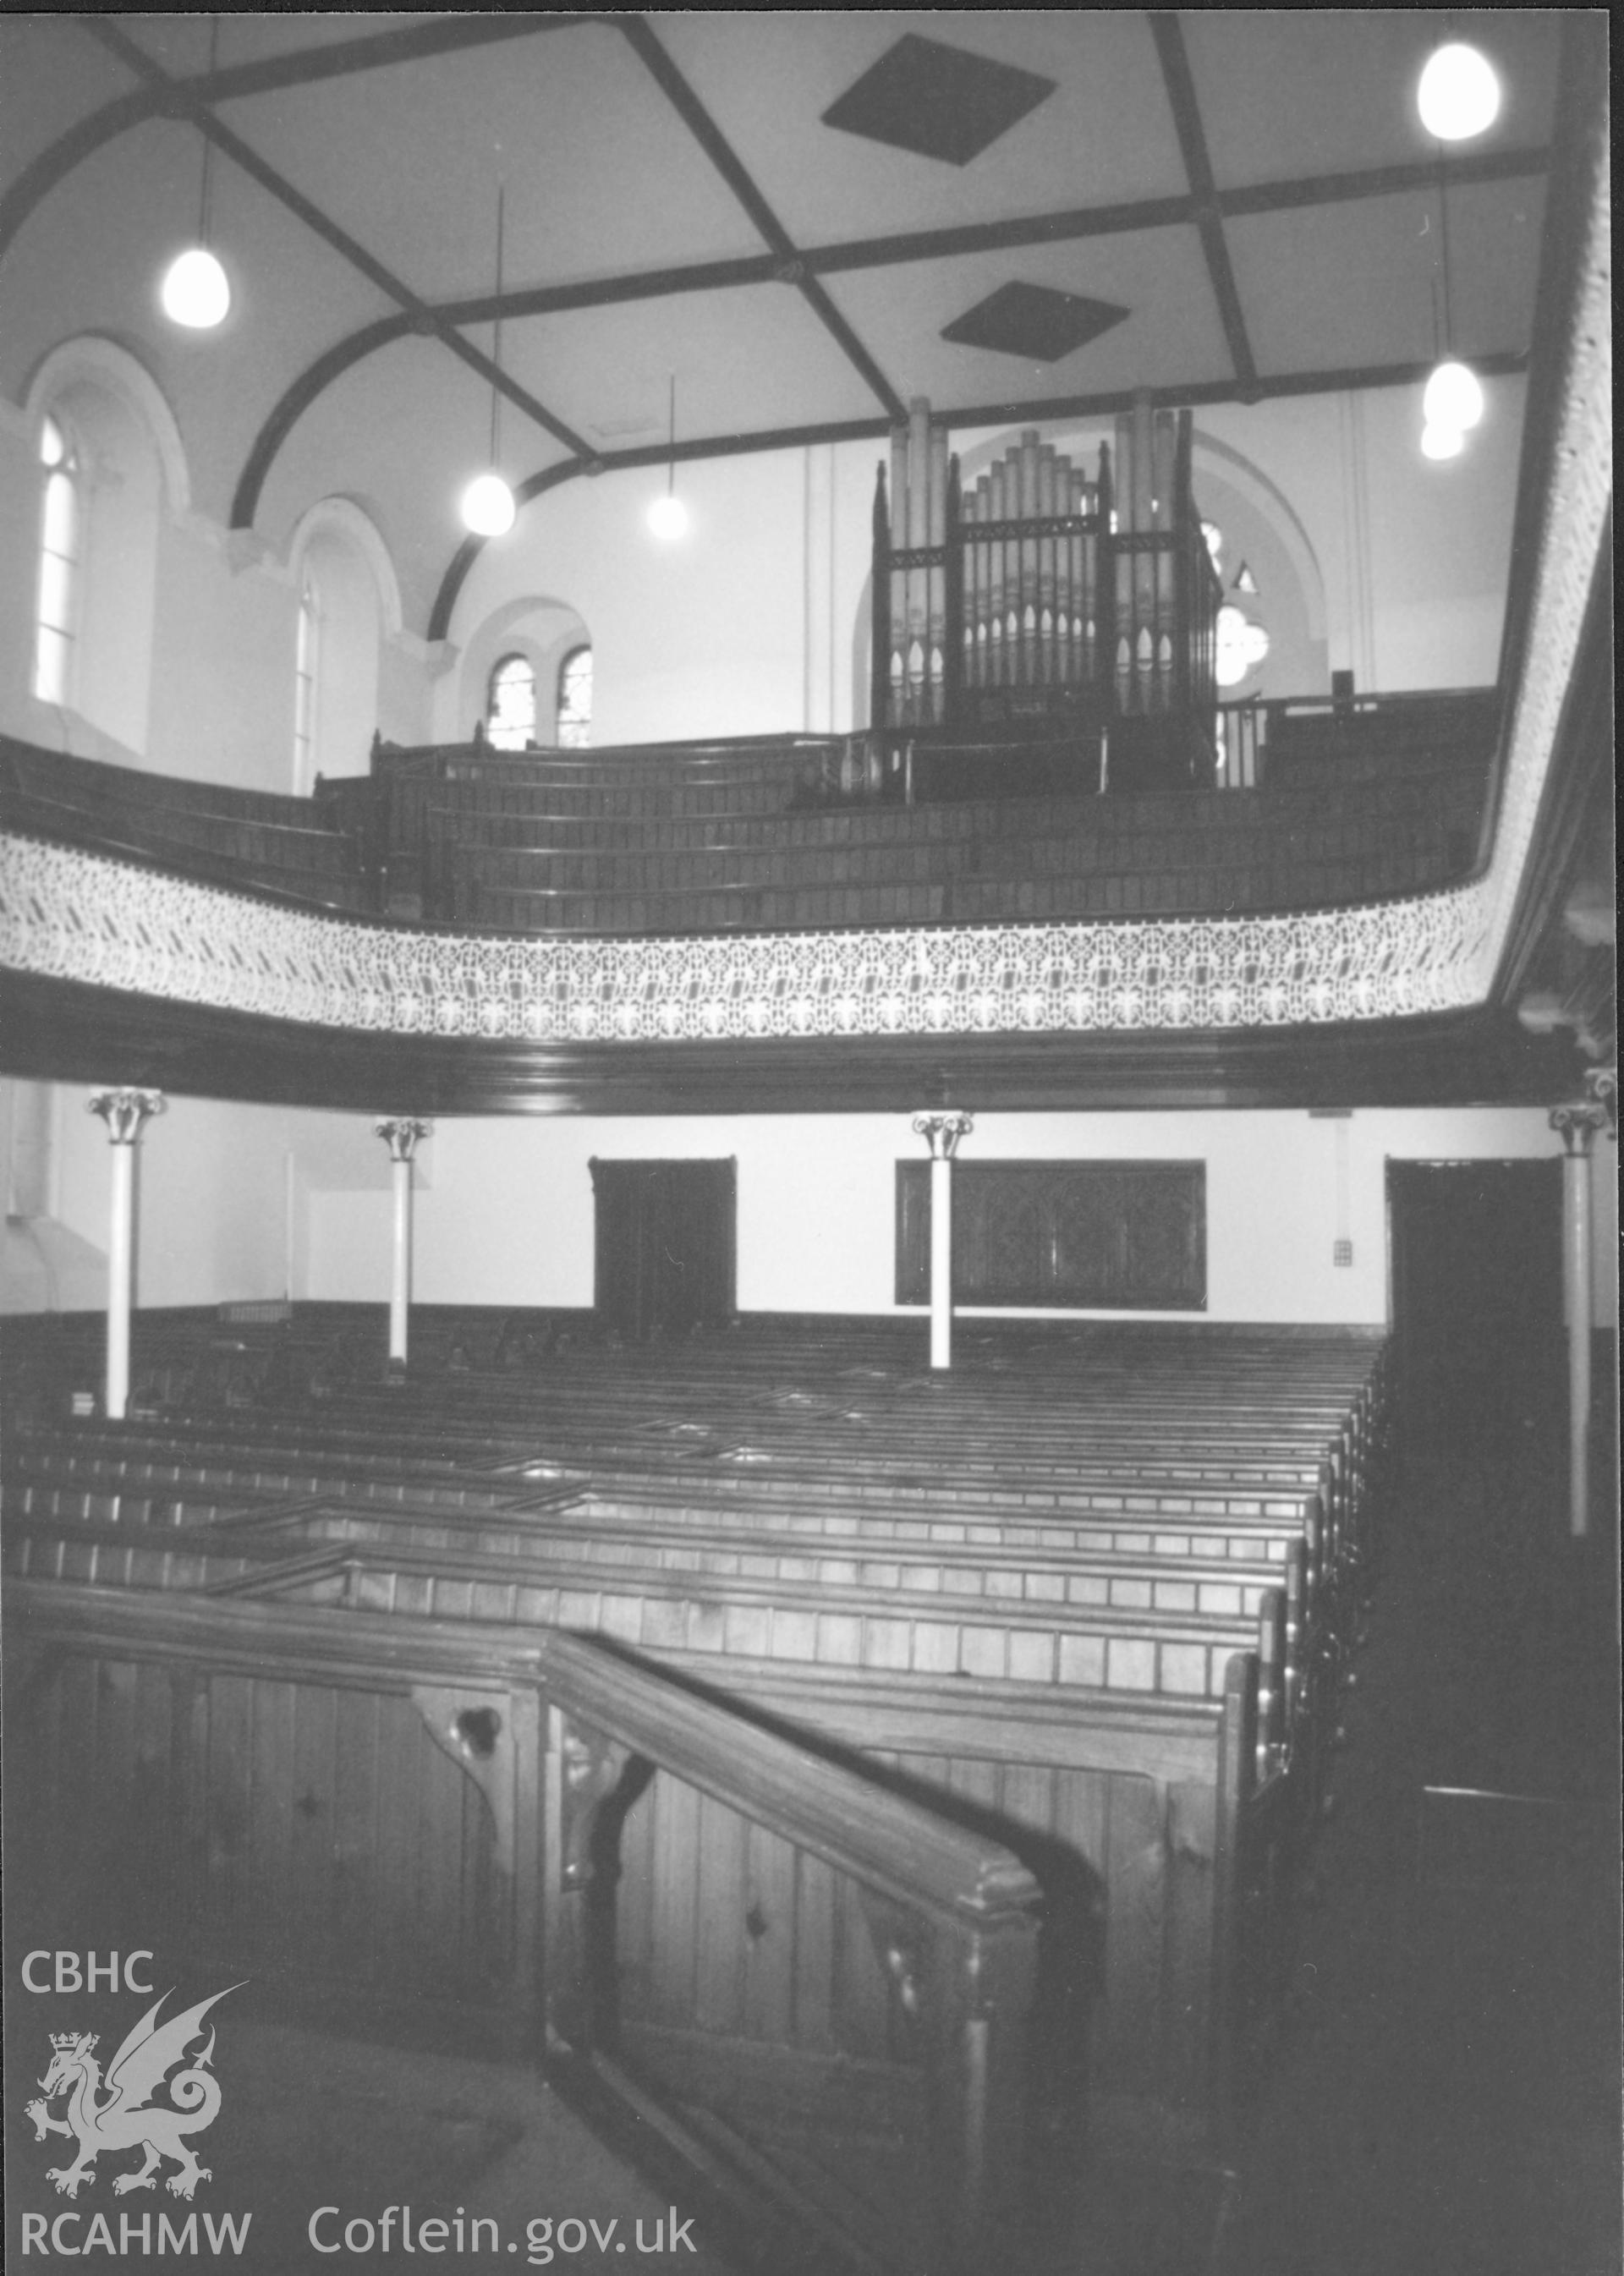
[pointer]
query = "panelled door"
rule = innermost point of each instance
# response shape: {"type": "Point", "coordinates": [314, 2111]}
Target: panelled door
{"type": "Point", "coordinates": [665, 1246]}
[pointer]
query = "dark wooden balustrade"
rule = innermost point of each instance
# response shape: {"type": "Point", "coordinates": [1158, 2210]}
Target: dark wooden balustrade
{"type": "Point", "coordinates": [510, 1906]}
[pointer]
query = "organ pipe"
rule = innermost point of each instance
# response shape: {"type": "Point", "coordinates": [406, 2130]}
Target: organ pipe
{"type": "Point", "coordinates": [1039, 576]}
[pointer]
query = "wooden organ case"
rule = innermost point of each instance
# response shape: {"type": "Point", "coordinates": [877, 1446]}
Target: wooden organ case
{"type": "Point", "coordinates": [1048, 625]}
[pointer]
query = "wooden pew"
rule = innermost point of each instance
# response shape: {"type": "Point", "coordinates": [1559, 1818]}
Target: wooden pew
{"type": "Point", "coordinates": [915, 2000]}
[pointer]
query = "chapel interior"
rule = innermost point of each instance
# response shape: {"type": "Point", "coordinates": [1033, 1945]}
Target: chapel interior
{"type": "Point", "coordinates": [808, 1094]}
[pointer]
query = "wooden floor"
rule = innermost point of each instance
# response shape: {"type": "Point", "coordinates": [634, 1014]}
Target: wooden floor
{"type": "Point", "coordinates": [1446, 2093]}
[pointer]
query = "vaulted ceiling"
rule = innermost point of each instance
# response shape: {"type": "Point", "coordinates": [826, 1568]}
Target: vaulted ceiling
{"type": "Point", "coordinates": [804, 219]}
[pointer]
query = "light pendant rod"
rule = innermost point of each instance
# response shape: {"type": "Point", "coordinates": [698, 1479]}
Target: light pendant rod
{"type": "Point", "coordinates": [1443, 223]}
{"type": "Point", "coordinates": [209, 148]}
{"type": "Point", "coordinates": [495, 330]}
{"type": "Point", "coordinates": [670, 462]}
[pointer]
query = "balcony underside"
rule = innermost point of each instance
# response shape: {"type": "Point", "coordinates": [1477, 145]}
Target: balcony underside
{"type": "Point", "coordinates": [70, 1032]}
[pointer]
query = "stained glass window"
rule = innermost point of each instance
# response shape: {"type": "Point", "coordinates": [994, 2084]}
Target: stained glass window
{"type": "Point", "coordinates": [575, 701]}
{"type": "Point", "coordinates": [510, 709]}
{"type": "Point", "coordinates": [59, 543]}
{"type": "Point", "coordinates": [1241, 646]}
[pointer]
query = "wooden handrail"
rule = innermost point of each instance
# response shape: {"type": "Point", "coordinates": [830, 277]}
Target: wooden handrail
{"type": "Point", "coordinates": [894, 1846]}
{"type": "Point", "coordinates": [545, 1723]}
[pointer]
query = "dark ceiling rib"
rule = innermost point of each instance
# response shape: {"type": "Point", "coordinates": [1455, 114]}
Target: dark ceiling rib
{"type": "Point", "coordinates": [722, 155]}
{"type": "Point", "coordinates": [1048, 408]}
{"type": "Point", "coordinates": [323, 226]}
{"type": "Point", "coordinates": [409, 43]}
{"type": "Point", "coordinates": [292, 407]}
{"type": "Point", "coordinates": [857, 253]}
{"type": "Point", "coordinates": [54, 163]}
{"type": "Point", "coordinates": [301, 67]}
{"type": "Point", "coordinates": [1175, 59]}
{"type": "Point", "coordinates": [1076, 224]}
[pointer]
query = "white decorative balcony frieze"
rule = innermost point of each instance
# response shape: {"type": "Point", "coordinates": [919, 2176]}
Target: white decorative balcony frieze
{"type": "Point", "coordinates": [70, 914]}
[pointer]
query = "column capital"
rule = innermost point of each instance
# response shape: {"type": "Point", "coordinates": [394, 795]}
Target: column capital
{"type": "Point", "coordinates": [124, 1111]}
{"type": "Point", "coordinates": [401, 1132]}
{"type": "Point", "coordinates": [1577, 1123]}
{"type": "Point", "coordinates": [942, 1130]}
{"type": "Point", "coordinates": [1601, 1088]}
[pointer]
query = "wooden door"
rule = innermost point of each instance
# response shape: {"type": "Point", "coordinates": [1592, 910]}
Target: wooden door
{"type": "Point", "coordinates": [1477, 1282]}
{"type": "Point", "coordinates": [665, 1246]}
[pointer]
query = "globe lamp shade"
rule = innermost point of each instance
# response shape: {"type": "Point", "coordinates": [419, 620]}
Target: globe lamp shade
{"type": "Point", "coordinates": [195, 291]}
{"type": "Point", "coordinates": [1459, 95]}
{"type": "Point", "coordinates": [1454, 397]}
{"type": "Point", "coordinates": [488, 507]}
{"type": "Point", "coordinates": [668, 517]}
{"type": "Point", "coordinates": [1442, 442]}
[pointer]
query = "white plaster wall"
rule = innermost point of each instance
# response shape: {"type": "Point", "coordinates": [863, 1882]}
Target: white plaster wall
{"type": "Point", "coordinates": [509, 1216]}
{"type": "Point", "coordinates": [221, 707]}
{"type": "Point", "coordinates": [217, 705]}
{"type": "Point", "coordinates": [1415, 553]}
{"type": "Point", "coordinates": [743, 627]}
{"type": "Point", "coordinates": [504, 1212]}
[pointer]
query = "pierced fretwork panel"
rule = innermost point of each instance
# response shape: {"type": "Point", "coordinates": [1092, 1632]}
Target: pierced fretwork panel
{"type": "Point", "coordinates": [1079, 1235]}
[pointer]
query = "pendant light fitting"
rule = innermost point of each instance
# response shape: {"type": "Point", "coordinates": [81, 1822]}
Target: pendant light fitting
{"type": "Point", "coordinates": [668, 517]}
{"type": "Point", "coordinates": [1452, 403]}
{"type": "Point", "coordinates": [489, 509]}
{"type": "Point", "coordinates": [195, 292]}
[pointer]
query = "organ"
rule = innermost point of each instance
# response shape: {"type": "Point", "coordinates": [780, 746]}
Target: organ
{"type": "Point", "coordinates": [1048, 600]}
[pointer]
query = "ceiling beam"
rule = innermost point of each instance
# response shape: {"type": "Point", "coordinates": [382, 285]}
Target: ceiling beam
{"type": "Point", "coordinates": [1078, 223]}
{"type": "Point", "coordinates": [1334, 380]}
{"type": "Point", "coordinates": [727, 163]}
{"type": "Point", "coordinates": [82, 142]}
{"type": "Point", "coordinates": [746, 271]}
{"type": "Point", "coordinates": [300, 67]}
{"type": "Point", "coordinates": [321, 225]}
{"type": "Point", "coordinates": [1175, 59]}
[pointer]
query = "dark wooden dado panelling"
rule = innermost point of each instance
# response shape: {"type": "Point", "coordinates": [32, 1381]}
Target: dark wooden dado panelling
{"type": "Point", "coordinates": [1095, 1235]}
{"type": "Point", "coordinates": [68, 1032]}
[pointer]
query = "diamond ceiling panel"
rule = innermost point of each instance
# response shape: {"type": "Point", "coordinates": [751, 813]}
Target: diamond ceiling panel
{"type": "Point", "coordinates": [1034, 320]}
{"type": "Point", "coordinates": [612, 173]}
{"type": "Point", "coordinates": [1104, 134]}
{"type": "Point", "coordinates": [942, 101]}
{"type": "Point", "coordinates": [1158, 276]}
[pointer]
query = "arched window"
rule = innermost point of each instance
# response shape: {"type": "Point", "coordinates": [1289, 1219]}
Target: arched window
{"type": "Point", "coordinates": [60, 546]}
{"type": "Point", "coordinates": [575, 701]}
{"type": "Point", "coordinates": [303, 687]}
{"type": "Point", "coordinates": [510, 704]}
{"type": "Point", "coordinates": [345, 584]}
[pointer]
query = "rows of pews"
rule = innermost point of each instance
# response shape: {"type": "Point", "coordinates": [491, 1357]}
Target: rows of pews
{"type": "Point", "coordinates": [1093, 1596]}
{"type": "Point", "coordinates": [669, 841]}
{"type": "Point", "coordinates": [780, 832]}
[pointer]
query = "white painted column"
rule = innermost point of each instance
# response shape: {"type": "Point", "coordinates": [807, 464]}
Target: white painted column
{"type": "Point", "coordinates": [942, 1133]}
{"type": "Point", "coordinates": [124, 1112]}
{"type": "Point", "coordinates": [1577, 1126]}
{"type": "Point", "coordinates": [401, 1133]}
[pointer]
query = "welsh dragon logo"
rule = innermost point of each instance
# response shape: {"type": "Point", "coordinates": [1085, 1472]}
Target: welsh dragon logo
{"type": "Point", "coordinates": [128, 2119]}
